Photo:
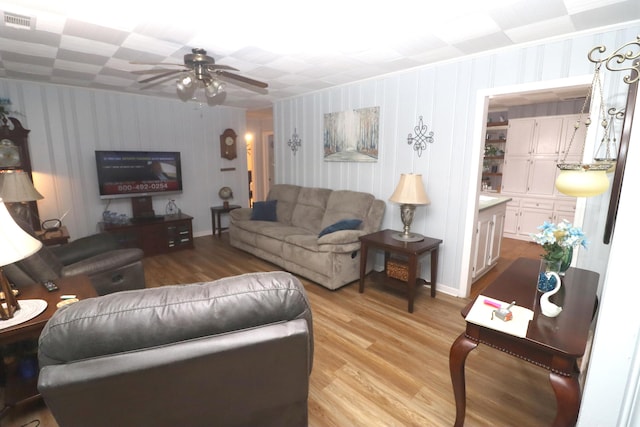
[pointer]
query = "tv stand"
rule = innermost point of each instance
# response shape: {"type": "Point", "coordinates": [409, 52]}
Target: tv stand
{"type": "Point", "coordinates": [154, 235]}
{"type": "Point", "coordinates": [139, 219]}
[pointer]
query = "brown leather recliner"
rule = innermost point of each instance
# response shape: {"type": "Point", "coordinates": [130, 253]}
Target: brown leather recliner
{"type": "Point", "coordinates": [110, 267]}
{"type": "Point", "coordinates": [233, 352]}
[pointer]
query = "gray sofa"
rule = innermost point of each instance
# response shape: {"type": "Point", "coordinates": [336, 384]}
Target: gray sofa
{"type": "Point", "coordinates": [292, 242]}
{"type": "Point", "coordinates": [110, 267]}
{"type": "Point", "coordinates": [233, 352]}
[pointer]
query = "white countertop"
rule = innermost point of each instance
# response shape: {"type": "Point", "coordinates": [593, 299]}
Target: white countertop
{"type": "Point", "coordinates": [490, 200]}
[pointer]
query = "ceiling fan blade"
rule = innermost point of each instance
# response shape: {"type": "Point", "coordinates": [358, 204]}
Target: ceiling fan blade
{"type": "Point", "coordinates": [154, 71]}
{"type": "Point", "coordinates": [159, 76]}
{"type": "Point", "coordinates": [243, 79]}
{"type": "Point", "coordinates": [214, 67]}
{"type": "Point", "coordinates": [157, 82]}
{"type": "Point", "coordinates": [156, 63]}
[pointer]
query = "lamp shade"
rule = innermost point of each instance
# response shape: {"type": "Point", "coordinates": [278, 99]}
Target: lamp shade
{"type": "Point", "coordinates": [17, 187]}
{"type": "Point", "coordinates": [410, 191]}
{"type": "Point", "coordinates": [15, 243]}
{"type": "Point", "coordinates": [582, 183]}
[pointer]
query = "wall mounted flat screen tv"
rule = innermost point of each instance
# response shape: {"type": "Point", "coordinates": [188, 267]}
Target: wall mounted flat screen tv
{"type": "Point", "coordinates": [138, 173]}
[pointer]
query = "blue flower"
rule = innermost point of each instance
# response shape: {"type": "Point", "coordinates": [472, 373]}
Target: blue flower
{"type": "Point", "coordinates": [556, 239]}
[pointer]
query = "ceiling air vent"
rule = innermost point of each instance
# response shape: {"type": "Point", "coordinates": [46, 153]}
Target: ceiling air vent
{"type": "Point", "coordinates": [18, 21]}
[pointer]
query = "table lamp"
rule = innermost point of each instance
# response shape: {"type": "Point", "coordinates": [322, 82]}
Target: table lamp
{"type": "Point", "coordinates": [16, 188]}
{"type": "Point", "coordinates": [409, 193]}
{"type": "Point", "coordinates": [15, 245]}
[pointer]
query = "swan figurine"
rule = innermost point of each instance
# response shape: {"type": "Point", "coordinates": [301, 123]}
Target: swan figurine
{"type": "Point", "coordinates": [548, 308]}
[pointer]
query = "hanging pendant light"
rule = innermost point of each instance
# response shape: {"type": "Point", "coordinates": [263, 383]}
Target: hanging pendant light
{"type": "Point", "coordinates": [586, 179]}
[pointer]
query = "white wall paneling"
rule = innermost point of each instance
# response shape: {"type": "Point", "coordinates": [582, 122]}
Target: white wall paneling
{"type": "Point", "coordinates": [68, 124]}
{"type": "Point", "coordinates": [446, 95]}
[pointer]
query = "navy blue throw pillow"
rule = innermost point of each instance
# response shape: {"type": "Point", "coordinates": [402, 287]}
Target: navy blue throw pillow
{"type": "Point", "coordinates": [345, 224]}
{"type": "Point", "coordinates": [264, 211]}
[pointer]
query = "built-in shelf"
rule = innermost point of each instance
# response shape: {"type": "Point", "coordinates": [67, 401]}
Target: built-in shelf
{"type": "Point", "coordinates": [500, 125]}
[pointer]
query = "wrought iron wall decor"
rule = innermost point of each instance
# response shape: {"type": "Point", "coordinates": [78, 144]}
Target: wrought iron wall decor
{"type": "Point", "coordinates": [419, 142]}
{"type": "Point", "coordinates": [628, 53]}
{"type": "Point", "coordinates": [294, 142]}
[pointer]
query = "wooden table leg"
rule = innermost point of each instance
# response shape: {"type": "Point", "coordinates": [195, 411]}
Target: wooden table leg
{"type": "Point", "coordinates": [213, 223]}
{"type": "Point", "coordinates": [363, 265]}
{"type": "Point", "coordinates": [567, 391]}
{"type": "Point", "coordinates": [460, 349]}
{"type": "Point", "coordinates": [434, 271]}
{"type": "Point", "coordinates": [219, 224]}
{"type": "Point", "coordinates": [411, 280]}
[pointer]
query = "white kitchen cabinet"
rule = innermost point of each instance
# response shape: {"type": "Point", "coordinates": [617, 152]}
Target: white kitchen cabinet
{"type": "Point", "coordinates": [535, 146]}
{"type": "Point", "coordinates": [496, 237]}
{"type": "Point", "coordinates": [573, 150]}
{"type": "Point", "coordinates": [483, 240]}
{"type": "Point", "coordinates": [511, 219]}
{"type": "Point", "coordinates": [520, 135]}
{"type": "Point", "coordinates": [515, 174]}
{"type": "Point", "coordinates": [488, 238]}
{"type": "Point", "coordinates": [542, 176]}
{"type": "Point", "coordinates": [547, 136]}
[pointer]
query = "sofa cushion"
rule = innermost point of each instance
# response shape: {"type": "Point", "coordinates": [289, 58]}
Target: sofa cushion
{"type": "Point", "coordinates": [309, 210]}
{"type": "Point", "coordinates": [345, 204]}
{"type": "Point", "coordinates": [286, 195]}
{"type": "Point", "coordinates": [264, 211]}
{"type": "Point", "coordinates": [344, 224]}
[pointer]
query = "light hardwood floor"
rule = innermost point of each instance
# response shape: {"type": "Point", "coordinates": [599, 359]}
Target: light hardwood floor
{"type": "Point", "coordinates": [376, 364]}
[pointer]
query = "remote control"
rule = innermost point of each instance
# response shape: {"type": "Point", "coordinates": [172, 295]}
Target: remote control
{"type": "Point", "coordinates": [49, 285]}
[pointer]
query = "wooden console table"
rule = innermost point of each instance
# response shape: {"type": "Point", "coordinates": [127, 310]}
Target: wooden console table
{"type": "Point", "coordinates": [412, 250]}
{"type": "Point", "coordinates": [552, 343]}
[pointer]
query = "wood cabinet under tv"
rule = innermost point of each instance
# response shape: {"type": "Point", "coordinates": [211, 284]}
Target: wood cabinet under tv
{"type": "Point", "coordinates": [154, 236]}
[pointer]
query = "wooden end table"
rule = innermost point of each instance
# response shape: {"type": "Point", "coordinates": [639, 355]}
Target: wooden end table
{"type": "Point", "coordinates": [215, 215]}
{"type": "Point", "coordinates": [19, 390]}
{"type": "Point", "coordinates": [51, 238]}
{"type": "Point", "coordinates": [412, 250]}
{"type": "Point", "coordinates": [554, 343]}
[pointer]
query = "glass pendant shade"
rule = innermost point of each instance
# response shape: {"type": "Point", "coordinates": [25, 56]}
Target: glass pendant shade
{"type": "Point", "coordinates": [184, 83]}
{"type": "Point", "coordinates": [582, 183]}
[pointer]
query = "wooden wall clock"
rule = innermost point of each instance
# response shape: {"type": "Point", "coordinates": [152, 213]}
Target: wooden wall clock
{"type": "Point", "coordinates": [228, 144]}
{"type": "Point", "coordinates": [14, 155]}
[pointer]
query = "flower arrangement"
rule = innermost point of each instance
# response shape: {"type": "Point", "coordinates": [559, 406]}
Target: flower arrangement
{"type": "Point", "coordinates": [558, 239]}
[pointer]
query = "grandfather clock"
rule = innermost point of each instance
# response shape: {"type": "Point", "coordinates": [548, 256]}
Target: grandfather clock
{"type": "Point", "coordinates": [14, 155]}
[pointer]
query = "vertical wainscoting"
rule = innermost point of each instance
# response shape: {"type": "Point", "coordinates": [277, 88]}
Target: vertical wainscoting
{"type": "Point", "coordinates": [68, 124]}
{"type": "Point", "coordinates": [446, 95]}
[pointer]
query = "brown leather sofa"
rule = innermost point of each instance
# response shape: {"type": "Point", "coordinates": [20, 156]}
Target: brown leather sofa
{"type": "Point", "coordinates": [99, 256]}
{"type": "Point", "coordinates": [233, 352]}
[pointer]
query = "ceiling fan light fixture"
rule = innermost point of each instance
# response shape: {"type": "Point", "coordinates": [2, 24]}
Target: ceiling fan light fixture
{"type": "Point", "coordinates": [213, 88]}
{"type": "Point", "coordinates": [184, 84]}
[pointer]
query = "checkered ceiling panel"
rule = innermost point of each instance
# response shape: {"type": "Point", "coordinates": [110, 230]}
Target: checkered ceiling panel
{"type": "Point", "coordinates": [54, 43]}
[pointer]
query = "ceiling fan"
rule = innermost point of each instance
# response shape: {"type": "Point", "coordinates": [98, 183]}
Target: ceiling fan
{"type": "Point", "coordinates": [198, 69]}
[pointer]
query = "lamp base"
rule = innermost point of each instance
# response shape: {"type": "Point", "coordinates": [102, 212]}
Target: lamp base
{"type": "Point", "coordinates": [410, 237]}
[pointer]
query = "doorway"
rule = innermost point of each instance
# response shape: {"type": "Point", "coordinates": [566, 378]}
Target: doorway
{"type": "Point", "coordinates": [261, 168]}
{"type": "Point", "coordinates": [504, 97]}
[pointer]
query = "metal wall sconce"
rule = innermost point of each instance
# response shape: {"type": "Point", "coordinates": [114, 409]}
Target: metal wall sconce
{"type": "Point", "coordinates": [294, 142]}
{"type": "Point", "coordinates": [422, 137]}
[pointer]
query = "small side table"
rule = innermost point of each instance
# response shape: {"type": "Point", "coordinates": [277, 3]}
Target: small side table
{"type": "Point", "coordinates": [51, 238]}
{"type": "Point", "coordinates": [412, 250]}
{"type": "Point", "coordinates": [216, 224]}
{"type": "Point", "coordinates": [18, 390]}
